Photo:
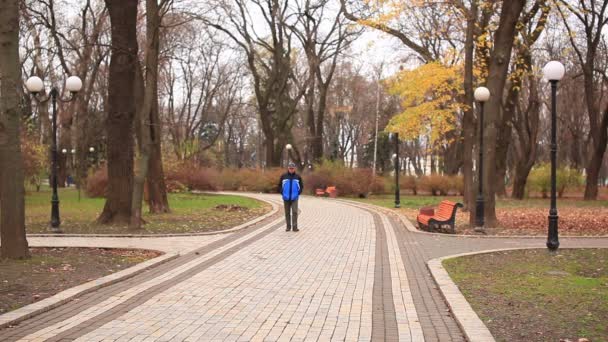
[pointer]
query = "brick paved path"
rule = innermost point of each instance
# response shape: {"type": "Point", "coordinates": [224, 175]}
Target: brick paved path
{"type": "Point", "coordinates": [351, 274]}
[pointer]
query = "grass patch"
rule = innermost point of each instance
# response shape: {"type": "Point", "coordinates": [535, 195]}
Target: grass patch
{"type": "Point", "coordinates": [535, 295]}
{"type": "Point", "coordinates": [191, 213]}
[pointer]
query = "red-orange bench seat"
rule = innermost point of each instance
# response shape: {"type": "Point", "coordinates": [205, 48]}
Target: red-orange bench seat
{"type": "Point", "coordinates": [445, 216]}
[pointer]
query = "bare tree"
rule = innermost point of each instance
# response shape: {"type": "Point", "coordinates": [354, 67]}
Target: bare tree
{"type": "Point", "coordinates": [269, 58]}
{"type": "Point", "coordinates": [591, 19]}
{"type": "Point", "coordinates": [322, 48]}
{"type": "Point", "coordinates": [121, 111]}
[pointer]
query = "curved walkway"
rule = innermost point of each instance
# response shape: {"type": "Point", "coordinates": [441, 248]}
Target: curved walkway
{"type": "Point", "coordinates": [353, 273]}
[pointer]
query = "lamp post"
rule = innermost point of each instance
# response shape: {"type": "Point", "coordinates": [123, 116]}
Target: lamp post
{"type": "Point", "coordinates": [482, 94]}
{"type": "Point", "coordinates": [553, 72]}
{"type": "Point", "coordinates": [288, 147]}
{"type": "Point", "coordinates": [35, 85]}
{"type": "Point", "coordinates": [395, 137]}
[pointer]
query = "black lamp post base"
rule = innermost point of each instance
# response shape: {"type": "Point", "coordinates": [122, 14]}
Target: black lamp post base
{"type": "Point", "coordinates": [479, 214]}
{"type": "Point", "coordinates": [55, 221]}
{"type": "Point", "coordinates": [553, 239]}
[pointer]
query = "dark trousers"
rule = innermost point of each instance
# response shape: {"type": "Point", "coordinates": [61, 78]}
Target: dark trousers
{"type": "Point", "coordinates": [291, 213]}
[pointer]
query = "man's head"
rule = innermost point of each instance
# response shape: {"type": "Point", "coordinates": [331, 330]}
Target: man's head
{"type": "Point", "coordinates": [291, 167]}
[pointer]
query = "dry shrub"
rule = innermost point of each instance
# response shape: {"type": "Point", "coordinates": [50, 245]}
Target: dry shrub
{"type": "Point", "coordinates": [436, 184]}
{"type": "Point", "coordinates": [349, 182]}
{"type": "Point", "coordinates": [409, 183]}
{"type": "Point", "coordinates": [195, 178]}
{"type": "Point", "coordinates": [97, 182]}
{"type": "Point", "coordinates": [457, 184]}
{"type": "Point", "coordinates": [230, 180]}
{"type": "Point", "coordinates": [174, 186]}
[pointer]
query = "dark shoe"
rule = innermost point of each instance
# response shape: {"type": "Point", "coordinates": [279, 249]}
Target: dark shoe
{"type": "Point", "coordinates": [288, 229]}
{"type": "Point", "coordinates": [296, 229]}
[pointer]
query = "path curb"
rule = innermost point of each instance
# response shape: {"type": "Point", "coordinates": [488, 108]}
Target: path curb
{"type": "Point", "coordinates": [470, 324]}
{"type": "Point", "coordinates": [31, 310]}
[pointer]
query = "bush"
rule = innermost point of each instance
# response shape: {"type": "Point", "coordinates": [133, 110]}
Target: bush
{"type": "Point", "coordinates": [457, 184]}
{"type": "Point", "coordinates": [258, 180]}
{"type": "Point", "coordinates": [349, 182]}
{"type": "Point", "coordinates": [97, 182]}
{"type": "Point", "coordinates": [174, 186]}
{"type": "Point", "coordinates": [436, 184]}
{"type": "Point", "coordinates": [194, 178]}
{"type": "Point", "coordinates": [568, 178]}
{"type": "Point", "coordinates": [409, 183]}
{"type": "Point", "coordinates": [35, 160]}
{"type": "Point", "coordinates": [539, 179]}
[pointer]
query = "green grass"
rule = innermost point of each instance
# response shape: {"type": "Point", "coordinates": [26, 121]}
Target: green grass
{"type": "Point", "coordinates": [545, 296]}
{"type": "Point", "coordinates": [189, 213]}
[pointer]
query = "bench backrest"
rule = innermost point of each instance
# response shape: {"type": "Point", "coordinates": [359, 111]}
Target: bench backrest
{"type": "Point", "coordinates": [447, 209]}
{"type": "Point", "coordinates": [330, 188]}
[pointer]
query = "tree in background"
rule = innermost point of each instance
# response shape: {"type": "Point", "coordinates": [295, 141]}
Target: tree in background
{"type": "Point", "coordinates": [429, 96]}
{"type": "Point", "coordinates": [121, 111]}
{"type": "Point", "coordinates": [586, 37]}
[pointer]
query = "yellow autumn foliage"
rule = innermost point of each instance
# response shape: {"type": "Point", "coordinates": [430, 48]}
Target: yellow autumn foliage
{"type": "Point", "coordinates": [430, 101]}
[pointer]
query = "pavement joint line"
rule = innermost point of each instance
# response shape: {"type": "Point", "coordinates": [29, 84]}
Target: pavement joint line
{"type": "Point", "coordinates": [34, 309]}
{"type": "Point", "coordinates": [274, 209]}
{"type": "Point", "coordinates": [407, 315]}
{"type": "Point", "coordinates": [403, 299]}
{"type": "Point", "coordinates": [118, 299]}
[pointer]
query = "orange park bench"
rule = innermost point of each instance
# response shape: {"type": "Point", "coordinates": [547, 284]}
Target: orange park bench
{"type": "Point", "coordinates": [331, 191]}
{"type": "Point", "coordinates": [445, 216]}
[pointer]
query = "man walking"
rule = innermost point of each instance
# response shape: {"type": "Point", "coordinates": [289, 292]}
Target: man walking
{"type": "Point", "coordinates": [290, 186]}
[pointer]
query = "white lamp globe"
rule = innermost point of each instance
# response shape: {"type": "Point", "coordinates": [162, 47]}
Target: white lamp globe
{"type": "Point", "coordinates": [482, 94]}
{"type": "Point", "coordinates": [73, 151]}
{"type": "Point", "coordinates": [288, 146]}
{"type": "Point", "coordinates": [64, 151]}
{"type": "Point", "coordinates": [554, 71]}
{"type": "Point", "coordinates": [34, 84]}
{"type": "Point", "coordinates": [91, 149]}
{"type": "Point", "coordinates": [73, 84]}
{"type": "Point", "coordinates": [394, 156]}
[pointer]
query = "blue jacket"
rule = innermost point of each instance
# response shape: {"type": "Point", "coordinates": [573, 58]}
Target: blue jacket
{"type": "Point", "coordinates": [291, 186]}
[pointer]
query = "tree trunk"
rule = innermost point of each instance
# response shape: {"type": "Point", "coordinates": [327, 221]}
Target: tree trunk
{"type": "Point", "coordinates": [121, 111]}
{"type": "Point", "coordinates": [150, 101]}
{"type": "Point", "coordinates": [597, 157]}
{"type": "Point", "coordinates": [497, 75]}
{"type": "Point", "coordinates": [12, 193]}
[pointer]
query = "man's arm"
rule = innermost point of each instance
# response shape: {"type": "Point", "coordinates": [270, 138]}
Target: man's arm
{"type": "Point", "coordinates": [280, 187]}
{"type": "Point", "coordinates": [301, 184]}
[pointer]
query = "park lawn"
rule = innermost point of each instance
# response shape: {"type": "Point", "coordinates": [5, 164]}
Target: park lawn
{"type": "Point", "coordinates": [190, 213]}
{"type": "Point", "coordinates": [52, 270]}
{"type": "Point", "coordinates": [516, 217]}
{"type": "Point", "coordinates": [536, 295]}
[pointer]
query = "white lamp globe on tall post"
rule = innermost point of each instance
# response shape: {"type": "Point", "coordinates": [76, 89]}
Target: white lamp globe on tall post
{"type": "Point", "coordinates": [35, 85]}
{"type": "Point", "coordinates": [553, 72]}
{"type": "Point", "coordinates": [288, 148]}
{"type": "Point", "coordinates": [482, 95]}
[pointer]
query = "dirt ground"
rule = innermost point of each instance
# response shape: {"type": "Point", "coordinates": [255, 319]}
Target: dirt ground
{"type": "Point", "coordinates": [52, 270]}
